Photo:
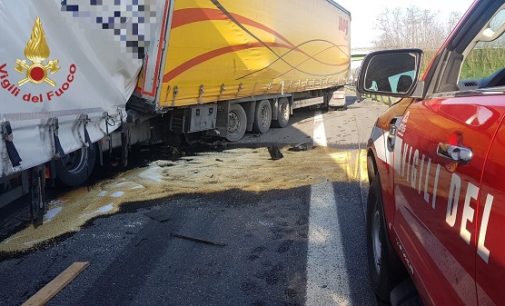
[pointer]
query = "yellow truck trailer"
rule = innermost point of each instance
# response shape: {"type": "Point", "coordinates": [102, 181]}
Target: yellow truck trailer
{"type": "Point", "coordinates": [236, 65]}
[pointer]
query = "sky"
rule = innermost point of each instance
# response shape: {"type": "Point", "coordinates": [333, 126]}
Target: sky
{"type": "Point", "coordinates": [365, 13]}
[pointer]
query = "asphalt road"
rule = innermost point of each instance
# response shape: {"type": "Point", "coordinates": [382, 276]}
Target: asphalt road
{"type": "Point", "coordinates": [298, 246]}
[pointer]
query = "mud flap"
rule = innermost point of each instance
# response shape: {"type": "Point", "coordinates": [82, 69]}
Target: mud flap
{"type": "Point", "coordinates": [8, 137]}
{"type": "Point", "coordinates": [38, 205]}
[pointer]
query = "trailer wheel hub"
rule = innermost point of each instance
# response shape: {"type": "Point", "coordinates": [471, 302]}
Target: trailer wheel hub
{"type": "Point", "coordinates": [234, 122]}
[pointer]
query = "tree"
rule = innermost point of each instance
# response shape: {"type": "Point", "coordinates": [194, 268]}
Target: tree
{"type": "Point", "coordinates": [413, 27]}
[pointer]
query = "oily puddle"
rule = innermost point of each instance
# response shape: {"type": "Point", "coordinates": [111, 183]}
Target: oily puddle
{"type": "Point", "coordinates": [250, 170]}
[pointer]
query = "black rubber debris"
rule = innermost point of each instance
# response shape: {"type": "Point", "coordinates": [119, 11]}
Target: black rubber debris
{"type": "Point", "coordinates": [219, 244]}
{"type": "Point", "coordinates": [275, 152]}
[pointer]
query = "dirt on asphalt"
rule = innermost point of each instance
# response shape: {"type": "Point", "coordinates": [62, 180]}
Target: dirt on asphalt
{"type": "Point", "coordinates": [250, 170]}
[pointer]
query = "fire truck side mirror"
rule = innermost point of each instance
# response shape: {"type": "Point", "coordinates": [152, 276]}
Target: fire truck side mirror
{"type": "Point", "coordinates": [393, 73]}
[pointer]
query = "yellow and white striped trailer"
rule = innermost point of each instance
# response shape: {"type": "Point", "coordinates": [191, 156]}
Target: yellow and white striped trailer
{"type": "Point", "coordinates": [238, 65]}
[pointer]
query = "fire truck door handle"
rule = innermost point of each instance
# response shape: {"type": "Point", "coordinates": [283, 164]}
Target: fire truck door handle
{"type": "Point", "coordinates": [458, 154]}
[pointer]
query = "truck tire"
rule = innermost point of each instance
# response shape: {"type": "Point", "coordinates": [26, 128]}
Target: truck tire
{"type": "Point", "coordinates": [283, 114]}
{"type": "Point", "coordinates": [385, 268]}
{"type": "Point", "coordinates": [237, 123]}
{"type": "Point", "coordinates": [75, 168]}
{"type": "Point", "coordinates": [263, 117]}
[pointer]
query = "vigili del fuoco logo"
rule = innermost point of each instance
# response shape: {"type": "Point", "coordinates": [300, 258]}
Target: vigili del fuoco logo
{"type": "Point", "coordinates": [37, 69]}
{"type": "Point", "coordinates": [37, 51]}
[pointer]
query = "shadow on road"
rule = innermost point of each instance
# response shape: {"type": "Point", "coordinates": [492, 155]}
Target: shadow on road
{"type": "Point", "coordinates": [351, 221]}
{"type": "Point", "coordinates": [135, 260]}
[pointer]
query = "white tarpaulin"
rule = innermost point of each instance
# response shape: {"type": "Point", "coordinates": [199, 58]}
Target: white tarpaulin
{"type": "Point", "coordinates": [65, 59]}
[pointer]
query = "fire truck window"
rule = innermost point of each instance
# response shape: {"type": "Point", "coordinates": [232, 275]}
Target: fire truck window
{"type": "Point", "coordinates": [497, 21]}
{"type": "Point", "coordinates": [484, 60]}
{"type": "Point", "coordinates": [484, 66]}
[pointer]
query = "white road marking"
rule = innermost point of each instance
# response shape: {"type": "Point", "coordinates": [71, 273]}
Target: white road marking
{"type": "Point", "coordinates": [319, 136]}
{"type": "Point", "coordinates": [326, 272]}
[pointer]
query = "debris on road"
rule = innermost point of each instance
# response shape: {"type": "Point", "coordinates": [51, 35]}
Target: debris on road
{"type": "Point", "coordinates": [219, 244]}
{"type": "Point", "coordinates": [44, 295]}
{"type": "Point", "coordinates": [159, 215]}
{"type": "Point", "coordinates": [275, 152]}
{"type": "Point", "coordinates": [165, 164]}
{"type": "Point", "coordinates": [139, 241]}
{"type": "Point", "coordinates": [243, 169]}
{"type": "Point", "coordinates": [301, 147]}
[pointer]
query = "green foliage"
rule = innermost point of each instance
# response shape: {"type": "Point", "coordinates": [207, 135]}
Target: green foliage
{"type": "Point", "coordinates": [480, 63]}
{"type": "Point", "coordinates": [483, 62]}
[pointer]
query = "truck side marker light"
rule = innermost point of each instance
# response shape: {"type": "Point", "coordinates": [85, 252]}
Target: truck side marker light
{"type": "Point", "coordinates": [8, 138]}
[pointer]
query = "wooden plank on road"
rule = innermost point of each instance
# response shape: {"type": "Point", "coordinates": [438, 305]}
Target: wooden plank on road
{"type": "Point", "coordinates": [45, 294]}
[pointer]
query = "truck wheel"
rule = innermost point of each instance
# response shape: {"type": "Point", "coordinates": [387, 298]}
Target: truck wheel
{"type": "Point", "coordinates": [263, 117]}
{"type": "Point", "coordinates": [283, 114]}
{"type": "Point", "coordinates": [237, 123]}
{"type": "Point", "coordinates": [75, 168]}
{"type": "Point", "coordinates": [385, 268]}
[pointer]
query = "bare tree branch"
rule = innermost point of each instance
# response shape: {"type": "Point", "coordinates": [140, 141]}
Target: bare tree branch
{"type": "Point", "coordinates": [413, 27]}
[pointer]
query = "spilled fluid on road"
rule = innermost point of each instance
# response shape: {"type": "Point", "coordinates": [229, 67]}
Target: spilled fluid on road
{"type": "Point", "coordinates": [250, 170]}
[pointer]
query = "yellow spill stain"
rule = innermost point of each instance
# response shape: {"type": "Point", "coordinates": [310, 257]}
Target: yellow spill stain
{"type": "Point", "coordinates": [245, 169]}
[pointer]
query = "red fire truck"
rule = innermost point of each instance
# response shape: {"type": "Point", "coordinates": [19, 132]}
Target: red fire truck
{"type": "Point", "coordinates": [436, 162]}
